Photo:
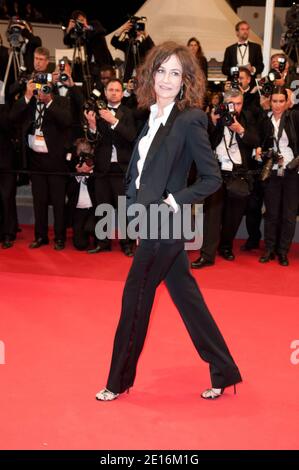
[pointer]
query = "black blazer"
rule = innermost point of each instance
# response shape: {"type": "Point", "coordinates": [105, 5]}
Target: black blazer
{"type": "Point", "coordinates": [122, 137]}
{"type": "Point", "coordinates": [176, 145]}
{"type": "Point", "coordinates": [291, 127]}
{"type": "Point", "coordinates": [6, 146]}
{"type": "Point", "coordinates": [255, 58]}
{"type": "Point", "coordinates": [56, 122]}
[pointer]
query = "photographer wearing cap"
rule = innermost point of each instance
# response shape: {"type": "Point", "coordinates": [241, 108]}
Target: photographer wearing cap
{"type": "Point", "coordinates": [233, 137]}
{"type": "Point", "coordinates": [44, 120]}
{"type": "Point", "coordinates": [133, 39]}
{"type": "Point", "coordinates": [90, 34]}
{"type": "Point", "coordinates": [115, 130]}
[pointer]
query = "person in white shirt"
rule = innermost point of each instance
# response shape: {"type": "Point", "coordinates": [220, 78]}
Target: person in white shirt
{"type": "Point", "coordinates": [172, 86]}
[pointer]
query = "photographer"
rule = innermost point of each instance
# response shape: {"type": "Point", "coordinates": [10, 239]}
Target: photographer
{"type": "Point", "coordinates": [81, 197]}
{"type": "Point", "coordinates": [44, 120]}
{"type": "Point", "coordinates": [133, 39]}
{"type": "Point", "coordinates": [280, 175]}
{"type": "Point", "coordinates": [115, 131]}
{"type": "Point", "coordinates": [243, 53]}
{"type": "Point", "coordinates": [90, 34]}
{"type": "Point", "coordinates": [233, 137]}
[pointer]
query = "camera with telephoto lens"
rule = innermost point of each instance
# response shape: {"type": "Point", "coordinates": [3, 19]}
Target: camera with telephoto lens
{"type": "Point", "coordinates": [235, 76]}
{"type": "Point", "coordinates": [14, 33]}
{"type": "Point", "coordinates": [290, 39]}
{"type": "Point", "coordinates": [63, 77]}
{"type": "Point", "coordinates": [226, 112]}
{"type": "Point", "coordinates": [94, 103]}
{"type": "Point", "coordinates": [42, 82]}
{"type": "Point", "coordinates": [270, 158]}
{"type": "Point", "coordinates": [267, 83]}
{"type": "Point", "coordinates": [138, 24]}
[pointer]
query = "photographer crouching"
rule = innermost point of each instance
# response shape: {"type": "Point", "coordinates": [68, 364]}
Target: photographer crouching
{"type": "Point", "coordinates": [279, 152]}
{"type": "Point", "coordinates": [233, 137]}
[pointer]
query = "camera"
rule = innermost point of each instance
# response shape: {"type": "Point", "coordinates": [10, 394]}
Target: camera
{"type": "Point", "coordinates": [84, 152]}
{"type": "Point", "coordinates": [226, 112]}
{"type": "Point", "coordinates": [267, 83]}
{"type": "Point", "coordinates": [63, 77]}
{"type": "Point", "coordinates": [85, 157]}
{"type": "Point", "coordinates": [235, 75]}
{"type": "Point", "coordinates": [270, 157]}
{"type": "Point", "coordinates": [282, 62]}
{"type": "Point", "coordinates": [79, 28]}
{"type": "Point", "coordinates": [94, 103]}
{"type": "Point", "coordinates": [138, 24]}
{"type": "Point", "coordinates": [14, 33]}
{"type": "Point", "coordinates": [42, 80]}
{"type": "Point", "coordinates": [290, 39]}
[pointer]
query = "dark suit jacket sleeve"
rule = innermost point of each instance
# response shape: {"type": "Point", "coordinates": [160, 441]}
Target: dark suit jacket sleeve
{"type": "Point", "coordinates": [199, 150]}
{"type": "Point", "coordinates": [227, 61]}
{"type": "Point", "coordinates": [259, 65]}
{"type": "Point", "coordinates": [126, 126]}
{"type": "Point", "coordinates": [59, 111]}
{"type": "Point", "coordinates": [121, 45]}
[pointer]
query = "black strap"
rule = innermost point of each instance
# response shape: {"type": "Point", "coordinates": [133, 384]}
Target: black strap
{"type": "Point", "coordinates": [280, 131]}
{"type": "Point", "coordinates": [230, 144]}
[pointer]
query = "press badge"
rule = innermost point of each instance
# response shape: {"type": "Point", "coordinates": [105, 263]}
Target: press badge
{"type": "Point", "coordinates": [39, 139]}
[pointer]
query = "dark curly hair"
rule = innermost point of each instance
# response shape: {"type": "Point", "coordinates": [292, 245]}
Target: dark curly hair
{"type": "Point", "coordinates": [192, 76]}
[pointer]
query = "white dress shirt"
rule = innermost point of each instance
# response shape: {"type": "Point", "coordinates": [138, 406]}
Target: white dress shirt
{"type": "Point", "coordinates": [144, 144]}
{"type": "Point", "coordinates": [243, 54]}
{"type": "Point", "coordinates": [283, 143]}
{"type": "Point", "coordinates": [233, 149]}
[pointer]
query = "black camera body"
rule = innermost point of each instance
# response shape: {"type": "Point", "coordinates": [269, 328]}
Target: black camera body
{"type": "Point", "coordinates": [226, 112]}
{"type": "Point", "coordinates": [138, 24]}
{"type": "Point", "coordinates": [270, 158]}
{"type": "Point", "coordinates": [94, 103]}
{"type": "Point", "coordinates": [42, 80]}
{"type": "Point", "coordinates": [63, 77]}
{"type": "Point", "coordinates": [79, 28]}
{"type": "Point", "coordinates": [85, 157]}
{"type": "Point", "coordinates": [267, 83]}
{"type": "Point", "coordinates": [235, 77]}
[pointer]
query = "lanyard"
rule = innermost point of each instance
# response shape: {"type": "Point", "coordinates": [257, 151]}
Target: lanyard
{"type": "Point", "coordinates": [40, 111]}
{"type": "Point", "coordinates": [242, 55]}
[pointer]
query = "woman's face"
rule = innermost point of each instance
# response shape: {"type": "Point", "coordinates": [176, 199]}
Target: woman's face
{"type": "Point", "coordinates": [168, 80]}
{"type": "Point", "coordinates": [193, 46]}
{"type": "Point", "coordinates": [278, 103]}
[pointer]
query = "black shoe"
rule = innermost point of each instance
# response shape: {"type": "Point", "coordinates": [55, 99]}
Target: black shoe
{"type": "Point", "coordinates": [7, 243]}
{"type": "Point", "coordinates": [248, 246]}
{"type": "Point", "coordinates": [267, 256]}
{"type": "Point", "coordinates": [99, 249]}
{"type": "Point", "coordinates": [127, 250]}
{"type": "Point", "coordinates": [283, 260]}
{"type": "Point", "coordinates": [59, 245]}
{"type": "Point", "coordinates": [38, 242]}
{"type": "Point", "coordinates": [227, 254]}
{"type": "Point", "coordinates": [201, 262]}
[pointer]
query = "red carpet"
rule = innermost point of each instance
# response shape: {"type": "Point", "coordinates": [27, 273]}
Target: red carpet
{"type": "Point", "coordinates": [59, 311]}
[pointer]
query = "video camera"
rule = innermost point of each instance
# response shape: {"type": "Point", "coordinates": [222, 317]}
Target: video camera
{"type": "Point", "coordinates": [138, 24]}
{"type": "Point", "coordinates": [290, 39]}
{"type": "Point", "coordinates": [94, 103]}
{"type": "Point", "coordinates": [14, 32]}
{"type": "Point", "coordinates": [42, 80]}
{"type": "Point", "coordinates": [235, 76]}
{"type": "Point", "coordinates": [267, 83]}
{"type": "Point", "coordinates": [226, 112]}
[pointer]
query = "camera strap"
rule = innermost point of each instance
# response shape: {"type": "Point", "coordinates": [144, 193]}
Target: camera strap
{"type": "Point", "coordinates": [245, 50]}
{"type": "Point", "coordinates": [280, 131]}
{"type": "Point", "coordinates": [232, 134]}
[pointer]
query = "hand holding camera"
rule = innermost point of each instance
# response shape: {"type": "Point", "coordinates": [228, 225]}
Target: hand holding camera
{"type": "Point", "coordinates": [236, 127]}
{"type": "Point", "coordinates": [30, 87]}
{"type": "Point", "coordinates": [91, 119]}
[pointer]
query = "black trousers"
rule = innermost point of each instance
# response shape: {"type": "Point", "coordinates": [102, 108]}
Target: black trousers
{"type": "Point", "coordinates": [8, 208]}
{"type": "Point", "coordinates": [83, 227]}
{"type": "Point", "coordinates": [107, 190]}
{"type": "Point", "coordinates": [47, 190]}
{"type": "Point", "coordinates": [222, 218]}
{"type": "Point", "coordinates": [155, 261]}
{"type": "Point", "coordinates": [281, 201]}
{"type": "Point", "coordinates": [254, 212]}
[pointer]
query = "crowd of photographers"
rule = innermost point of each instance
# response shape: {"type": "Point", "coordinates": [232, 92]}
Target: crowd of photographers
{"type": "Point", "coordinates": [69, 130]}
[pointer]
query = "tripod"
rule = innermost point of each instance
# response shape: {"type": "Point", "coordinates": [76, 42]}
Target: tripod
{"type": "Point", "coordinates": [132, 51]}
{"type": "Point", "coordinates": [14, 58]}
{"type": "Point", "coordinates": [80, 59]}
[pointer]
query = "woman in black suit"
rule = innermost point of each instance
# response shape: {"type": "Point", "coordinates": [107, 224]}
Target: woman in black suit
{"type": "Point", "coordinates": [172, 85]}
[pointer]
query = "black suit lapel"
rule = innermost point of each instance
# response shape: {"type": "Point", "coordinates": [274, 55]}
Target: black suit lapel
{"type": "Point", "coordinates": [251, 57]}
{"type": "Point", "coordinates": [162, 132]}
{"type": "Point", "coordinates": [135, 153]}
{"type": "Point", "coordinates": [235, 54]}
